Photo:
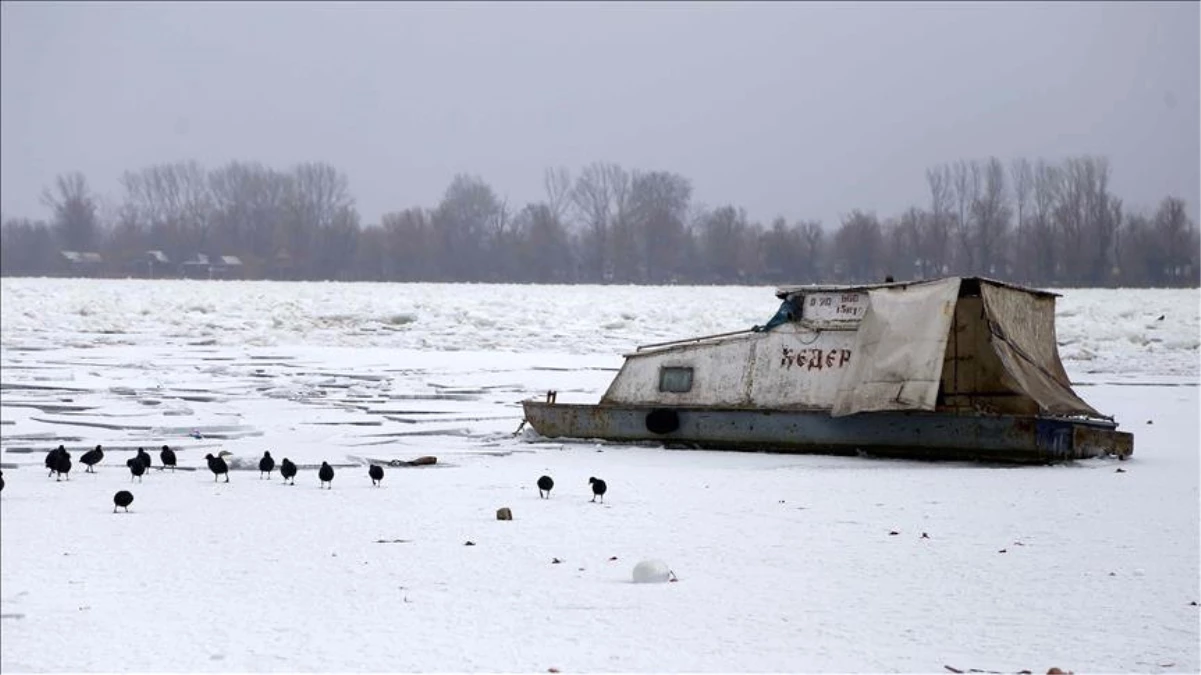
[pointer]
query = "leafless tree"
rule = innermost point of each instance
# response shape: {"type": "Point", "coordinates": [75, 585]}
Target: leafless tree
{"type": "Point", "coordinates": [936, 236]}
{"type": "Point", "coordinates": [411, 247]}
{"type": "Point", "coordinates": [906, 244]}
{"type": "Point", "coordinates": [1022, 176]}
{"type": "Point", "coordinates": [544, 247]}
{"type": "Point", "coordinates": [990, 216]}
{"type": "Point", "coordinates": [723, 235]}
{"type": "Point", "coordinates": [858, 248]}
{"type": "Point", "coordinates": [74, 207]}
{"type": "Point", "coordinates": [592, 197]}
{"type": "Point", "coordinates": [1178, 237]}
{"type": "Point", "coordinates": [1046, 191]}
{"type": "Point", "coordinates": [462, 220]}
{"type": "Point", "coordinates": [658, 208]}
{"type": "Point", "coordinates": [812, 246]}
{"type": "Point", "coordinates": [965, 184]}
{"type": "Point", "coordinates": [557, 182]}
{"type": "Point", "coordinates": [27, 248]}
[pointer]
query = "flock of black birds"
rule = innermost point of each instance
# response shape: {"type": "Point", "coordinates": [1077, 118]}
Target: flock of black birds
{"type": "Point", "coordinates": [58, 461]}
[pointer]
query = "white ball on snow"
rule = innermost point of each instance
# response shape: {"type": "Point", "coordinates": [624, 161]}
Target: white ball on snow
{"type": "Point", "coordinates": [651, 572]}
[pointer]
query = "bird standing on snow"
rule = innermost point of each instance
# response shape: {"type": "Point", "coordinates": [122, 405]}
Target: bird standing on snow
{"type": "Point", "coordinates": [266, 465]}
{"type": "Point", "coordinates": [545, 484]}
{"type": "Point", "coordinates": [167, 456]}
{"type": "Point", "coordinates": [123, 498]}
{"type": "Point", "coordinates": [1, 480]}
{"type": "Point", "coordinates": [62, 465]}
{"type": "Point", "coordinates": [287, 470]}
{"type": "Point", "coordinates": [91, 458]}
{"type": "Point", "coordinates": [52, 459]}
{"type": "Point", "coordinates": [377, 474]}
{"type": "Point", "coordinates": [218, 466]}
{"type": "Point", "coordinates": [136, 468]}
{"type": "Point", "coordinates": [144, 458]}
{"type": "Point", "coordinates": [598, 489]}
{"type": "Point", "coordinates": [326, 474]}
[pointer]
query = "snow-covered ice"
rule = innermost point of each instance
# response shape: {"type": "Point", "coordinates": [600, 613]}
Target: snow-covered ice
{"type": "Point", "coordinates": [784, 563]}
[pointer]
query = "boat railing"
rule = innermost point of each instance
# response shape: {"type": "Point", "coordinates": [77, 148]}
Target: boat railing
{"type": "Point", "coordinates": [685, 341]}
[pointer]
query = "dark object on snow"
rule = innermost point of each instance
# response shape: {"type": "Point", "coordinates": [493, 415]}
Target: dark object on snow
{"type": "Point", "coordinates": [124, 498]}
{"type": "Point", "coordinates": [91, 458]}
{"type": "Point", "coordinates": [377, 474]}
{"type": "Point", "coordinates": [136, 468]}
{"type": "Point", "coordinates": [504, 513]}
{"type": "Point", "coordinates": [326, 475]}
{"type": "Point", "coordinates": [167, 456]}
{"type": "Point", "coordinates": [144, 458]}
{"type": "Point", "coordinates": [62, 465]}
{"type": "Point", "coordinates": [888, 279]}
{"type": "Point", "coordinates": [545, 484]}
{"type": "Point", "coordinates": [287, 470]}
{"type": "Point", "coordinates": [52, 459]}
{"type": "Point", "coordinates": [266, 465]}
{"type": "Point", "coordinates": [218, 466]}
{"type": "Point", "coordinates": [598, 488]}
{"type": "Point", "coordinates": [1, 480]}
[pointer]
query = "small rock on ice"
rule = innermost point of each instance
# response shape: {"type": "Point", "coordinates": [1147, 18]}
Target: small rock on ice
{"type": "Point", "coordinates": [651, 572]}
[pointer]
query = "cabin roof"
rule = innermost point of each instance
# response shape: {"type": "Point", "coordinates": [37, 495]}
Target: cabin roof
{"type": "Point", "coordinates": [783, 292]}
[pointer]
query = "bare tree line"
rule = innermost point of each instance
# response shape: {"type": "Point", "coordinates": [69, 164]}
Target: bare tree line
{"type": "Point", "coordinates": [1044, 223]}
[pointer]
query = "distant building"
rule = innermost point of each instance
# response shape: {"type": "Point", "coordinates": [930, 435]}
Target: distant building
{"type": "Point", "coordinates": [151, 265]}
{"type": "Point", "coordinates": [81, 263]}
{"type": "Point", "coordinates": [197, 267]}
{"type": "Point", "coordinates": [230, 267]}
{"type": "Point", "coordinates": [216, 267]}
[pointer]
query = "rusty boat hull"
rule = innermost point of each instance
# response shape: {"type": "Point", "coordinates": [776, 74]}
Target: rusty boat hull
{"type": "Point", "coordinates": [908, 435]}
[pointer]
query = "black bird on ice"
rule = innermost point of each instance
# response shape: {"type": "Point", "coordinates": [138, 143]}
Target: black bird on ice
{"type": "Point", "coordinates": [287, 470]}
{"type": "Point", "coordinates": [91, 458]}
{"type": "Point", "coordinates": [218, 466]}
{"type": "Point", "coordinates": [136, 468]}
{"type": "Point", "coordinates": [167, 455]}
{"type": "Point", "coordinates": [62, 465]}
{"type": "Point", "coordinates": [598, 489]}
{"type": "Point", "coordinates": [144, 458]}
{"type": "Point", "coordinates": [123, 498]}
{"type": "Point", "coordinates": [545, 484]}
{"type": "Point", "coordinates": [266, 465]}
{"type": "Point", "coordinates": [377, 474]}
{"type": "Point", "coordinates": [326, 474]}
{"type": "Point", "coordinates": [52, 459]}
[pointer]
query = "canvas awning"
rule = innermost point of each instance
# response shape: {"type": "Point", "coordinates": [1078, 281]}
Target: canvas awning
{"type": "Point", "coordinates": [901, 345]}
{"type": "Point", "coordinates": [899, 349]}
{"type": "Point", "coordinates": [1022, 328]}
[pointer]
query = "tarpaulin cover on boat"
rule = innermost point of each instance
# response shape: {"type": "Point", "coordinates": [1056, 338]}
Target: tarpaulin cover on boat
{"type": "Point", "coordinates": [899, 349]}
{"type": "Point", "coordinates": [1022, 327]}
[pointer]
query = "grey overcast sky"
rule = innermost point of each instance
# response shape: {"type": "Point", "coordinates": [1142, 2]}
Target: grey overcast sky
{"type": "Point", "coordinates": [805, 110]}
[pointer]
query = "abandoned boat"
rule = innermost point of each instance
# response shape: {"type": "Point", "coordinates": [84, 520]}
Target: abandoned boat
{"type": "Point", "coordinates": [963, 368]}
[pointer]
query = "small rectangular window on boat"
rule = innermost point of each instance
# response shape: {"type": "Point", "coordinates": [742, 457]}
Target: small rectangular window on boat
{"type": "Point", "coordinates": [675, 379]}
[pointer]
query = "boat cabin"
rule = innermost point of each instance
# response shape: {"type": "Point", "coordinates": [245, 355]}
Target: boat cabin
{"type": "Point", "coordinates": [961, 345]}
